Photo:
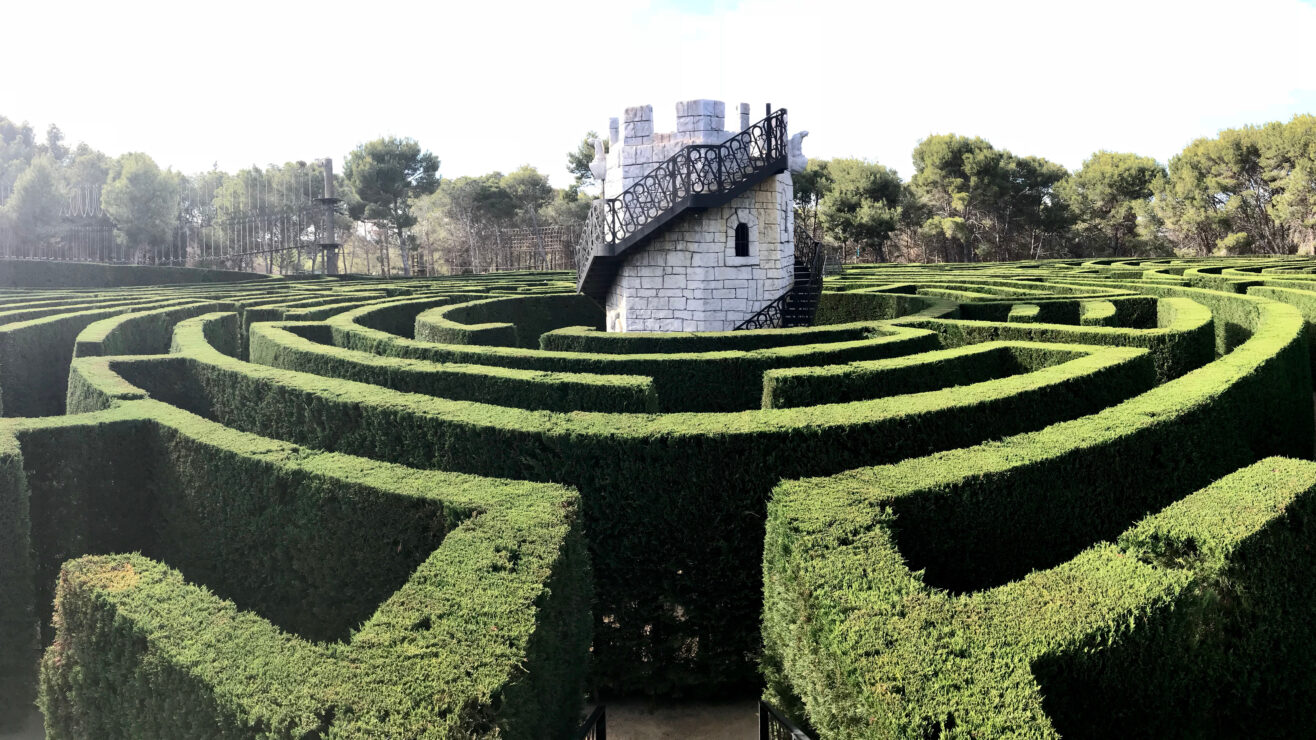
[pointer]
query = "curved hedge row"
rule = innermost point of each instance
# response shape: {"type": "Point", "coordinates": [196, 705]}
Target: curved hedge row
{"type": "Point", "coordinates": [999, 500]}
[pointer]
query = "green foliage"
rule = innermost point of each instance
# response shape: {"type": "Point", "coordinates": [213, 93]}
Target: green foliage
{"type": "Point", "coordinates": [1107, 197]}
{"type": "Point", "coordinates": [1184, 340]}
{"type": "Point", "coordinates": [142, 199]}
{"type": "Point", "coordinates": [386, 176]}
{"type": "Point", "coordinates": [489, 321]}
{"type": "Point", "coordinates": [809, 188]}
{"type": "Point", "coordinates": [579, 159]}
{"type": "Point", "coordinates": [34, 208]}
{"type": "Point", "coordinates": [1184, 627]}
{"type": "Point", "coordinates": [1246, 191]}
{"type": "Point", "coordinates": [1055, 484]}
{"type": "Point", "coordinates": [723, 380]}
{"type": "Point", "coordinates": [1035, 411]}
{"type": "Point", "coordinates": [18, 635]}
{"type": "Point", "coordinates": [984, 203]}
{"type": "Point", "coordinates": [385, 561]}
{"type": "Point", "coordinates": [1098, 376]}
{"type": "Point", "coordinates": [661, 472]}
{"type": "Point", "coordinates": [862, 204]}
{"type": "Point", "coordinates": [303, 347]}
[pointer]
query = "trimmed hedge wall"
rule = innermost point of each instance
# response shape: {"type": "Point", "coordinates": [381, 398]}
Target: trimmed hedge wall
{"type": "Point", "coordinates": [1191, 624]}
{"type": "Point", "coordinates": [18, 620]}
{"type": "Point", "coordinates": [1029, 452]}
{"type": "Point", "coordinates": [585, 339]}
{"type": "Point", "coordinates": [44, 274]}
{"type": "Point", "coordinates": [35, 355]}
{"type": "Point", "coordinates": [974, 363]}
{"type": "Point", "coordinates": [507, 322]}
{"type": "Point", "coordinates": [140, 332]}
{"type": "Point", "coordinates": [1071, 484]}
{"type": "Point", "coordinates": [846, 308]}
{"type": "Point", "coordinates": [656, 489]}
{"type": "Point", "coordinates": [380, 561]}
{"type": "Point", "coordinates": [694, 381]}
{"type": "Point", "coordinates": [1183, 341]}
{"type": "Point", "coordinates": [285, 346]}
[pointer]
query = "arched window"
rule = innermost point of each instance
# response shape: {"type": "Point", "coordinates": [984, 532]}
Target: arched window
{"type": "Point", "coordinates": [742, 240]}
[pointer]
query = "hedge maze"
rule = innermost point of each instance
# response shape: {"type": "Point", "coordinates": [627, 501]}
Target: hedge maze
{"type": "Point", "coordinates": [1011, 500]}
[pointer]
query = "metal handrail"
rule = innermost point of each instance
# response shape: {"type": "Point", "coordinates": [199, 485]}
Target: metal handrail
{"type": "Point", "coordinates": [814, 255]}
{"type": "Point", "coordinates": [768, 317]}
{"type": "Point", "coordinates": [697, 169]}
{"type": "Point", "coordinates": [595, 726]}
{"type": "Point", "coordinates": [774, 725]}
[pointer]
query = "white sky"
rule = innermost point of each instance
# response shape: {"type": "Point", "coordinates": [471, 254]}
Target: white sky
{"type": "Point", "coordinates": [492, 85]}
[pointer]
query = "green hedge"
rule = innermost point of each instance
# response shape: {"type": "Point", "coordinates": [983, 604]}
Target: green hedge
{"type": "Point", "coordinates": [18, 620]}
{"type": "Point", "coordinates": [322, 575]}
{"type": "Point", "coordinates": [1183, 341]}
{"type": "Point", "coordinates": [139, 332]}
{"type": "Point", "coordinates": [506, 322]}
{"type": "Point", "coordinates": [35, 355]}
{"type": "Point", "coordinates": [691, 381]}
{"type": "Point", "coordinates": [1066, 486]}
{"type": "Point", "coordinates": [585, 339]}
{"type": "Point", "coordinates": [1303, 300]}
{"type": "Point", "coordinates": [687, 488]}
{"type": "Point", "coordinates": [286, 346]}
{"type": "Point", "coordinates": [43, 274]}
{"type": "Point", "coordinates": [962, 366]}
{"type": "Point", "coordinates": [1025, 313]}
{"type": "Point", "coordinates": [1193, 624]}
{"type": "Point", "coordinates": [846, 308]}
{"type": "Point", "coordinates": [1098, 313]}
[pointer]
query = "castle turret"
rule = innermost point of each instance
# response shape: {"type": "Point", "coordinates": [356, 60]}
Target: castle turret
{"type": "Point", "coordinates": [695, 231]}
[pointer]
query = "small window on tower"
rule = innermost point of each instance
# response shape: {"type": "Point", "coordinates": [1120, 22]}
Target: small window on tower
{"type": "Point", "coordinates": [742, 240]}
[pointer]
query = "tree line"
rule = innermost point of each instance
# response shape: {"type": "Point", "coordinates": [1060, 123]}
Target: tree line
{"type": "Point", "coordinates": [398, 215]}
{"type": "Point", "coordinates": [1250, 190]}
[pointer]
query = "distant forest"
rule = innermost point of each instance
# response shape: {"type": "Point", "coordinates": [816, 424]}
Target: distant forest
{"type": "Point", "coordinates": [1250, 190]}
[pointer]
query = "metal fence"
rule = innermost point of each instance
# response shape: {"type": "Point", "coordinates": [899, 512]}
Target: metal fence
{"type": "Point", "coordinates": [773, 725]}
{"type": "Point", "coordinates": [595, 726]}
{"type": "Point", "coordinates": [281, 221]}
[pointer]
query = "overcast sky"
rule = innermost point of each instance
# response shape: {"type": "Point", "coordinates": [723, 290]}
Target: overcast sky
{"type": "Point", "coordinates": [493, 85]}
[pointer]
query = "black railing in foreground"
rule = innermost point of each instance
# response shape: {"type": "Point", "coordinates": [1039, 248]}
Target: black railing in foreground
{"type": "Point", "coordinates": [773, 725]}
{"type": "Point", "coordinates": [697, 170]}
{"type": "Point", "coordinates": [595, 726]}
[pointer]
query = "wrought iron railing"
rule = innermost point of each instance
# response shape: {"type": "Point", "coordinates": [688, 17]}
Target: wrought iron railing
{"type": "Point", "coordinates": [768, 317]}
{"type": "Point", "coordinates": [773, 725]}
{"type": "Point", "coordinates": [698, 169]}
{"type": "Point", "coordinates": [595, 726]}
{"type": "Point", "coordinates": [813, 254]}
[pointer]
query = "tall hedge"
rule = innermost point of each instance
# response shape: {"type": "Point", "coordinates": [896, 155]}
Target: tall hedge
{"type": "Point", "coordinates": [655, 489]}
{"type": "Point", "coordinates": [322, 574]}
{"type": "Point", "coordinates": [1190, 623]}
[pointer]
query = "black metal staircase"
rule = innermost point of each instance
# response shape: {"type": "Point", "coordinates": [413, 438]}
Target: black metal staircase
{"type": "Point", "coordinates": [699, 176]}
{"type": "Point", "coordinates": [799, 305]}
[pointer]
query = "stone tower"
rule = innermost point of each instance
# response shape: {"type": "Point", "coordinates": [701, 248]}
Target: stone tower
{"type": "Point", "coordinates": [697, 224]}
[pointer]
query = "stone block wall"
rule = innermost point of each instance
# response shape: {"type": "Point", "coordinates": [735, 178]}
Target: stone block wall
{"type": "Point", "coordinates": [688, 277]}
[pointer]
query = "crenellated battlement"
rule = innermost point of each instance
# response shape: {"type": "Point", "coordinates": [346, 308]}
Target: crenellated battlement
{"type": "Point", "coordinates": [635, 148]}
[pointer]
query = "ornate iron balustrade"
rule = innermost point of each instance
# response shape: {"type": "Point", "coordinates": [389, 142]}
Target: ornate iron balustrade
{"type": "Point", "coordinates": [773, 725]}
{"type": "Point", "coordinates": [679, 183]}
{"type": "Point", "coordinates": [813, 254]}
{"type": "Point", "coordinates": [768, 317]}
